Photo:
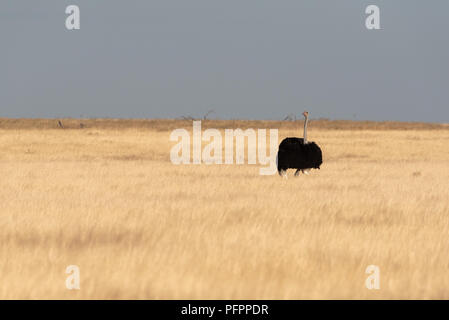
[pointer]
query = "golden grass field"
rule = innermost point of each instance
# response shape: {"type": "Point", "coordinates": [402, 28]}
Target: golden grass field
{"type": "Point", "coordinates": [107, 198]}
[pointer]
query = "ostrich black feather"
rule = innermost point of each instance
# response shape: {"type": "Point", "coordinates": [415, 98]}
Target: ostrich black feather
{"type": "Point", "coordinates": [295, 154]}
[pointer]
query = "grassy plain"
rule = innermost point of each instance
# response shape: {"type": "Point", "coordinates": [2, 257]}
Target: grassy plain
{"type": "Point", "coordinates": [103, 195]}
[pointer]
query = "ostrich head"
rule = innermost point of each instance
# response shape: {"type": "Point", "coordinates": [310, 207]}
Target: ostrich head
{"type": "Point", "coordinates": [305, 114]}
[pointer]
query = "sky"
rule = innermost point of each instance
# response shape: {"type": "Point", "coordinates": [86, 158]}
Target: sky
{"type": "Point", "coordinates": [244, 59]}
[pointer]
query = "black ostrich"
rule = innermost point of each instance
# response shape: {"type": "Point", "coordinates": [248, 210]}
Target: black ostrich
{"type": "Point", "coordinates": [298, 153]}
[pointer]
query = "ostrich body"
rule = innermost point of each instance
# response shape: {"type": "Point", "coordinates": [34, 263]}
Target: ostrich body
{"type": "Point", "coordinates": [299, 153]}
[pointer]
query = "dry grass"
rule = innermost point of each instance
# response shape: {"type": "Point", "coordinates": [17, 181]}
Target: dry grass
{"type": "Point", "coordinates": [171, 124]}
{"type": "Point", "coordinates": [107, 198]}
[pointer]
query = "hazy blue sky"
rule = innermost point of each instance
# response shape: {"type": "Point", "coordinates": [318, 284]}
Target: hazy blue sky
{"type": "Point", "coordinates": [260, 59]}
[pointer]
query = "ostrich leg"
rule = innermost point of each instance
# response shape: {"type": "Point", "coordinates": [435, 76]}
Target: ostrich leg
{"type": "Point", "coordinates": [297, 173]}
{"type": "Point", "coordinates": [283, 173]}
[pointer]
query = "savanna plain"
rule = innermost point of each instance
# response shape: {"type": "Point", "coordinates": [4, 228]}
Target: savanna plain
{"type": "Point", "coordinates": [102, 194]}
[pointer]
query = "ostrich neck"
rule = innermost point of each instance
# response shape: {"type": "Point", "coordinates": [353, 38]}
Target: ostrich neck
{"type": "Point", "coordinates": [305, 131]}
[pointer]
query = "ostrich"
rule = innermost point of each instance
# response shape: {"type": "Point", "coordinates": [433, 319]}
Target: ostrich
{"type": "Point", "coordinates": [298, 153]}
